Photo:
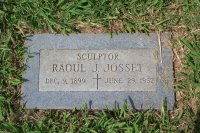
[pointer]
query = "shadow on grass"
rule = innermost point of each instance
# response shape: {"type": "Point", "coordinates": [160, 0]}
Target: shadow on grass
{"type": "Point", "coordinates": [197, 123]}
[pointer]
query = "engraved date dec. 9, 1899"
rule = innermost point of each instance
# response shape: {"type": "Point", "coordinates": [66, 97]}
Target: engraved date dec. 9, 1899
{"type": "Point", "coordinates": [74, 81]}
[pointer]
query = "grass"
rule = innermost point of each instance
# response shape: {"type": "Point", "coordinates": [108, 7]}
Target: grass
{"type": "Point", "coordinates": [19, 19]}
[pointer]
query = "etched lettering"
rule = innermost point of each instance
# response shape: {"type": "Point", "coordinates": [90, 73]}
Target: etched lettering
{"type": "Point", "coordinates": [97, 56]}
{"type": "Point", "coordinates": [113, 80]}
{"type": "Point", "coordinates": [97, 70]}
{"type": "Point", "coordinates": [68, 68]}
{"type": "Point", "coordinates": [123, 68]}
{"type": "Point", "coordinates": [55, 67]}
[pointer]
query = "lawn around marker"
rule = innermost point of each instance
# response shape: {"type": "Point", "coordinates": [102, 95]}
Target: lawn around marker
{"type": "Point", "coordinates": [20, 19]}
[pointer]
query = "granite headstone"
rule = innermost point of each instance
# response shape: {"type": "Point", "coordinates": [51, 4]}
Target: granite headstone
{"type": "Point", "coordinates": [68, 71]}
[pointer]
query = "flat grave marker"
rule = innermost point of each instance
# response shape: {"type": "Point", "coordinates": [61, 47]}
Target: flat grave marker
{"type": "Point", "coordinates": [67, 71]}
